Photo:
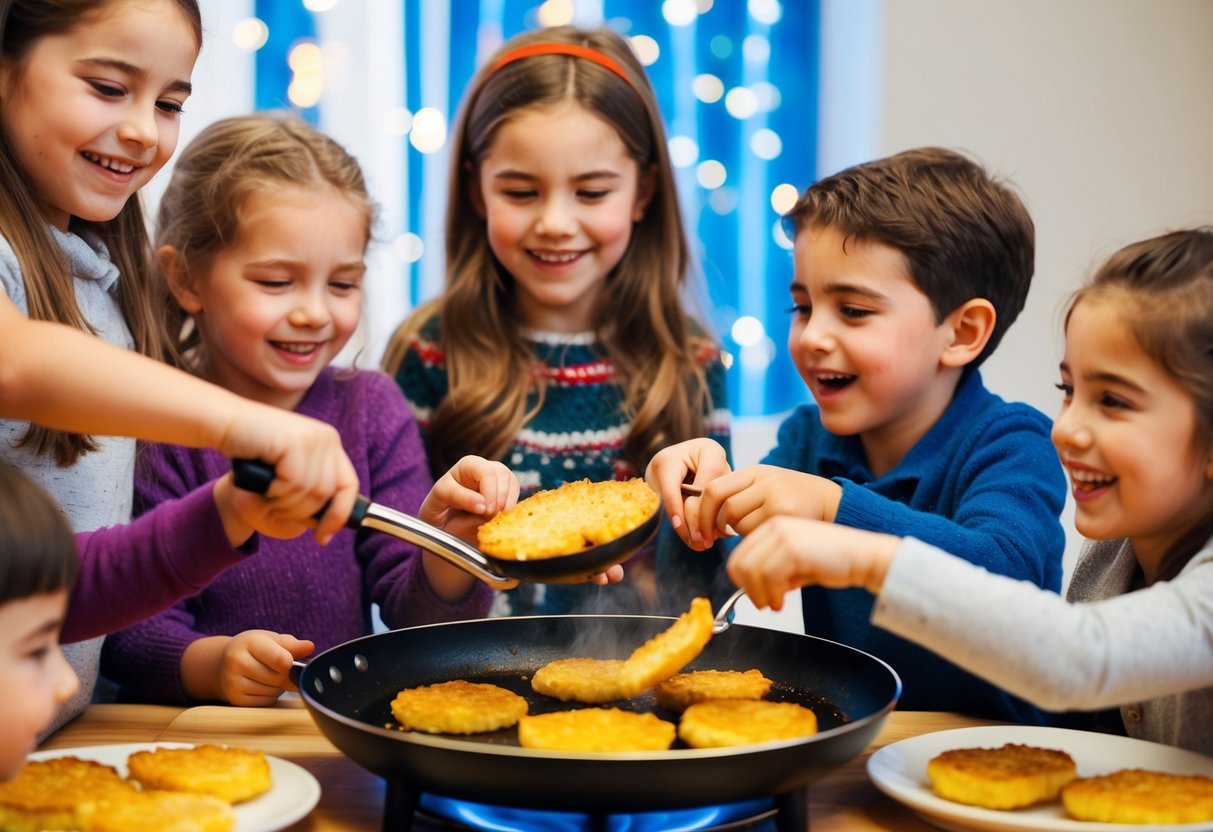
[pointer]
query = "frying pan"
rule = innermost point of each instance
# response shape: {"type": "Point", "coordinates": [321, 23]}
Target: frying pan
{"type": "Point", "coordinates": [348, 690]}
{"type": "Point", "coordinates": [256, 476]}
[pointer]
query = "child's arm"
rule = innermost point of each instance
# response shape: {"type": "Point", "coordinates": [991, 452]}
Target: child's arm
{"type": "Point", "coordinates": [63, 378]}
{"type": "Point", "coordinates": [251, 668]}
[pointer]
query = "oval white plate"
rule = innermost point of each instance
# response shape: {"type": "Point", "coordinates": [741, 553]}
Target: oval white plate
{"type": "Point", "coordinates": [292, 795]}
{"type": "Point", "coordinates": [900, 771]}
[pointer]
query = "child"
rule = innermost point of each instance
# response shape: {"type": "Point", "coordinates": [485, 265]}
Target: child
{"type": "Point", "coordinates": [261, 239]}
{"type": "Point", "coordinates": [1136, 436]}
{"type": "Point", "coordinates": [561, 344]}
{"type": "Point", "coordinates": [37, 567]}
{"type": "Point", "coordinates": [908, 271]}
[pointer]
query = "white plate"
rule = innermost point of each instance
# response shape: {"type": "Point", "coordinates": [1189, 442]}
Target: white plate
{"type": "Point", "coordinates": [292, 795]}
{"type": "Point", "coordinates": [900, 771]}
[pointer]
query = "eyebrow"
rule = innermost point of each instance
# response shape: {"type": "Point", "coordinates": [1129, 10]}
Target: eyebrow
{"type": "Point", "coordinates": [138, 72]}
{"type": "Point", "coordinates": [581, 177]}
{"type": "Point", "coordinates": [279, 263]}
{"type": "Point", "coordinates": [844, 289]}
{"type": "Point", "coordinates": [1106, 378]}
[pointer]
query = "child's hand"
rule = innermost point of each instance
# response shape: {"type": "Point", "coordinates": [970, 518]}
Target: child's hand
{"type": "Point", "coordinates": [471, 492]}
{"type": "Point", "coordinates": [244, 512]}
{"type": "Point", "coordinates": [746, 498]}
{"type": "Point", "coordinates": [251, 668]}
{"type": "Point", "coordinates": [787, 553]}
{"type": "Point", "coordinates": [310, 466]}
{"type": "Point", "coordinates": [702, 459]}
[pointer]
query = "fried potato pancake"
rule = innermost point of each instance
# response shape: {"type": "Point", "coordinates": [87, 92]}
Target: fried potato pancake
{"type": "Point", "coordinates": [225, 772]}
{"type": "Point", "coordinates": [457, 707]}
{"type": "Point", "coordinates": [685, 689]}
{"type": "Point", "coordinates": [1009, 777]}
{"type": "Point", "coordinates": [726, 722]}
{"type": "Point", "coordinates": [595, 729]}
{"type": "Point", "coordinates": [669, 651]}
{"type": "Point", "coordinates": [1140, 796]}
{"type": "Point", "coordinates": [568, 519]}
{"type": "Point", "coordinates": [592, 681]}
{"type": "Point", "coordinates": [48, 794]}
{"type": "Point", "coordinates": [158, 811]}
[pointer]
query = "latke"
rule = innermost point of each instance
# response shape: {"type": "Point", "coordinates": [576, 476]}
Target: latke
{"type": "Point", "coordinates": [592, 681]}
{"type": "Point", "coordinates": [568, 519]}
{"type": "Point", "coordinates": [457, 707]}
{"type": "Point", "coordinates": [728, 722]}
{"type": "Point", "coordinates": [595, 729]}
{"type": "Point", "coordinates": [158, 811]}
{"type": "Point", "coordinates": [1009, 777]}
{"type": "Point", "coordinates": [1140, 796]}
{"type": "Point", "coordinates": [669, 651]}
{"type": "Point", "coordinates": [48, 794]}
{"type": "Point", "coordinates": [228, 773]}
{"type": "Point", "coordinates": [685, 689]}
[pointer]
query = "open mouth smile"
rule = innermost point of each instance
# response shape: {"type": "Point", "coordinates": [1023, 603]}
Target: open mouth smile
{"type": "Point", "coordinates": [112, 165]}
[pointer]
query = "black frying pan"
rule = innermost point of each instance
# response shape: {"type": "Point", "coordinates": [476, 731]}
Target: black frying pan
{"type": "Point", "coordinates": [348, 688]}
{"type": "Point", "coordinates": [256, 476]}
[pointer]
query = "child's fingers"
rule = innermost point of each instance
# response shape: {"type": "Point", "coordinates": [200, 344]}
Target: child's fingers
{"type": "Point", "coordinates": [612, 576]}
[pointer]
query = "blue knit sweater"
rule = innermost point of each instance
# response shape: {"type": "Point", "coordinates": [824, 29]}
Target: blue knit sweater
{"type": "Point", "coordinates": [579, 433]}
{"type": "Point", "coordinates": [983, 484]}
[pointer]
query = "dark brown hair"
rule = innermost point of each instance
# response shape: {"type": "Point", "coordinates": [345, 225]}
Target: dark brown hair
{"type": "Point", "coordinates": [37, 547]}
{"type": "Point", "coordinates": [964, 234]}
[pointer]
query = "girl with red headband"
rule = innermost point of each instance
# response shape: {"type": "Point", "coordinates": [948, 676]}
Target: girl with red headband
{"type": "Point", "coordinates": [562, 344]}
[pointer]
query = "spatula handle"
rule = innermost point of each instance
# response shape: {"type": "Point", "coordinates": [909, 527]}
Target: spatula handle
{"type": "Point", "coordinates": [256, 475]}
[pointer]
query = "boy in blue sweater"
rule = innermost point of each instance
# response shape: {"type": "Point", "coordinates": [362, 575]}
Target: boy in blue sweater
{"type": "Point", "coordinates": [907, 272]}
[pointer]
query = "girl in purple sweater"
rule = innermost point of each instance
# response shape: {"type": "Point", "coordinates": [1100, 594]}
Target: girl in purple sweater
{"type": "Point", "coordinates": [261, 239]}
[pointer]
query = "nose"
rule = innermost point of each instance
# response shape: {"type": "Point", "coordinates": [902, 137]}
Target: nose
{"type": "Point", "coordinates": [311, 308]}
{"type": "Point", "coordinates": [66, 682]}
{"type": "Point", "coordinates": [1070, 428]}
{"type": "Point", "coordinates": [555, 218]}
{"type": "Point", "coordinates": [816, 335]}
{"type": "Point", "coordinates": [139, 126]}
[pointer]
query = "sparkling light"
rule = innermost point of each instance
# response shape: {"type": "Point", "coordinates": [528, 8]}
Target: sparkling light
{"type": "Point", "coordinates": [305, 90]}
{"type": "Point", "coordinates": [766, 144]}
{"type": "Point", "coordinates": [757, 49]}
{"type": "Point", "coordinates": [710, 174]}
{"type": "Point", "coordinates": [319, 5]}
{"type": "Point", "coordinates": [757, 357]}
{"type": "Point", "coordinates": [707, 88]}
{"type": "Point", "coordinates": [306, 57]}
{"type": "Point", "coordinates": [398, 121]}
{"type": "Point", "coordinates": [703, 6]}
{"type": "Point", "coordinates": [741, 103]}
{"type": "Point", "coordinates": [250, 34]}
{"type": "Point", "coordinates": [783, 198]}
{"type": "Point", "coordinates": [684, 152]}
{"type": "Point", "coordinates": [556, 13]}
{"type": "Point", "coordinates": [768, 95]}
{"type": "Point", "coordinates": [721, 46]}
{"type": "Point", "coordinates": [646, 49]}
{"type": "Point", "coordinates": [409, 247]}
{"type": "Point", "coordinates": [723, 200]}
{"type": "Point", "coordinates": [747, 331]}
{"type": "Point", "coordinates": [429, 130]}
{"type": "Point", "coordinates": [679, 12]}
{"type": "Point", "coordinates": [766, 11]}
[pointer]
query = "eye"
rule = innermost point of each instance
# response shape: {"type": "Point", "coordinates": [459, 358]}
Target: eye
{"type": "Point", "coordinates": [804, 309]}
{"type": "Point", "coordinates": [167, 105]}
{"type": "Point", "coordinates": [593, 195]}
{"type": "Point", "coordinates": [345, 286]}
{"type": "Point", "coordinates": [269, 283]}
{"type": "Point", "coordinates": [519, 194]}
{"type": "Point", "coordinates": [1067, 390]}
{"type": "Point", "coordinates": [107, 89]}
{"type": "Point", "coordinates": [854, 312]}
{"type": "Point", "coordinates": [1113, 401]}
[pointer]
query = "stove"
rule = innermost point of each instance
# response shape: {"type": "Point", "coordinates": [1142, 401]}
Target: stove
{"type": "Point", "coordinates": [407, 810]}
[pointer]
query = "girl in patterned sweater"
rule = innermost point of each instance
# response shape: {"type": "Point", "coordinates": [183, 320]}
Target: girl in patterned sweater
{"type": "Point", "coordinates": [561, 344]}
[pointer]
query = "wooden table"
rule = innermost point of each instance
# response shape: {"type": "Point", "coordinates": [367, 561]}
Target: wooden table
{"type": "Point", "coordinates": [352, 798]}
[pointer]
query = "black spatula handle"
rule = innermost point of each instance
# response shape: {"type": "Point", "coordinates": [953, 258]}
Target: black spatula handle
{"type": "Point", "coordinates": [256, 475]}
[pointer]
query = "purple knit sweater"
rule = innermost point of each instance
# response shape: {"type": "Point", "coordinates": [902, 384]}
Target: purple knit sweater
{"type": "Point", "coordinates": [295, 586]}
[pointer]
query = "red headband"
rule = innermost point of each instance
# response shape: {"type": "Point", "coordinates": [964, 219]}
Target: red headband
{"type": "Point", "coordinates": [562, 49]}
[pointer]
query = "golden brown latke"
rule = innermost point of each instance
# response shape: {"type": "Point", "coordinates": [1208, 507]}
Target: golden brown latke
{"type": "Point", "coordinates": [1009, 777]}
{"type": "Point", "coordinates": [457, 707]}
{"type": "Point", "coordinates": [158, 811]}
{"type": "Point", "coordinates": [595, 729]}
{"type": "Point", "coordinates": [685, 689]}
{"type": "Point", "coordinates": [592, 681]}
{"type": "Point", "coordinates": [1140, 796]}
{"type": "Point", "coordinates": [568, 519]}
{"type": "Point", "coordinates": [231, 774]}
{"type": "Point", "coordinates": [48, 794]}
{"type": "Point", "coordinates": [727, 722]}
{"type": "Point", "coordinates": [669, 651]}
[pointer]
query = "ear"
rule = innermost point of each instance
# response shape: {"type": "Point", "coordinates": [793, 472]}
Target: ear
{"type": "Point", "coordinates": [475, 194]}
{"type": "Point", "coordinates": [176, 275]}
{"type": "Point", "coordinates": [969, 327]}
{"type": "Point", "coordinates": [646, 189]}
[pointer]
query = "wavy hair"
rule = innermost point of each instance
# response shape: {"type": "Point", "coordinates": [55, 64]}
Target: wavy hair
{"type": "Point", "coordinates": [49, 286]}
{"type": "Point", "coordinates": [642, 318]}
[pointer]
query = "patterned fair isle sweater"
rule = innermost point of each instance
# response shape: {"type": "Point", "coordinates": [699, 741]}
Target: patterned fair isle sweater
{"type": "Point", "coordinates": [579, 433]}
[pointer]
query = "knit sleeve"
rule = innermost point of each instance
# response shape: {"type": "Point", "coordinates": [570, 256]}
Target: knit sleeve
{"type": "Point", "coordinates": [422, 374]}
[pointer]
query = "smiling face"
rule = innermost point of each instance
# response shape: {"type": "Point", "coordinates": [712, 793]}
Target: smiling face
{"type": "Point", "coordinates": [559, 195]}
{"type": "Point", "coordinates": [278, 305]}
{"type": "Point", "coordinates": [865, 340]}
{"type": "Point", "coordinates": [94, 112]}
{"type": "Point", "coordinates": [37, 678]}
{"type": "Point", "coordinates": [1128, 436]}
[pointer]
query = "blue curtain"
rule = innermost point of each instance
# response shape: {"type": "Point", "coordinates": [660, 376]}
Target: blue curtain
{"type": "Point", "coordinates": [765, 46]}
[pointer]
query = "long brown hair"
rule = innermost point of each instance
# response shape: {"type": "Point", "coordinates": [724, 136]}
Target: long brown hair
{"type": "Point", "coordinates": [49, 285]}
{"type": "Point", "coordinates": [37, 547]}
{"type": "Point", "coordinates": [1167, 283]}
{"type": "Point", "coordinates": [218, 171]}
{"type": "Point", "coordinates": [642, 319]}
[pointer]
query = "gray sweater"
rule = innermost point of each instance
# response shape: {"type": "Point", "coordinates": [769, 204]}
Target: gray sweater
{"type": "Point", "coordinates": [1148, 652]}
